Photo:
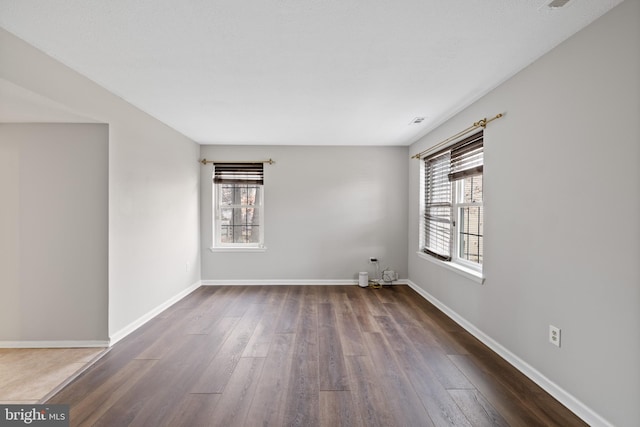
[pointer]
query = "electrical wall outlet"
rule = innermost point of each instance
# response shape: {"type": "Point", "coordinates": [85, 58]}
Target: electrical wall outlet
{"type": "Point", "coordinates": [554, 335]}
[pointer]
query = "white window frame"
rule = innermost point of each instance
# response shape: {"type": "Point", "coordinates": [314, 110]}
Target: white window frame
{"type": "Point", "coordinates": [469, 269]}
{"type": "Point", "coordinates": [241, 174]}
{"type": "Point", "coordinates": [217, 223]}
{"type": "Point", "coordinates": [457, 194]}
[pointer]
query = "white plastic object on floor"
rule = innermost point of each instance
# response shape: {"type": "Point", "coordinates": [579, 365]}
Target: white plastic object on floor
{"type": "Point", "coordinates": [363, 281]}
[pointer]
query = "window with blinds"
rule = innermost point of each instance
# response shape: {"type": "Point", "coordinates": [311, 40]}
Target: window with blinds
{"type": "Point", "coordinates": [453, 211]}
{"type": "Point", "coordinates": [238, 200]}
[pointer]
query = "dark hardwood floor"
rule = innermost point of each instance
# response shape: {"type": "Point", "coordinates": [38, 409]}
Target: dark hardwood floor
{"type": "Point", "coordinates": [306, 356]}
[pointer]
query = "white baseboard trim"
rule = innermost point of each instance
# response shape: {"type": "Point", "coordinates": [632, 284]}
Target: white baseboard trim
{"type": "Point", "coordinates": [576, 406]}
{"type": "Point", "coordinates": [53, 344]}
{"type": "Point", "coordinates": [285, 282]}
{"type": "Point", "coordinates": [117, 336]}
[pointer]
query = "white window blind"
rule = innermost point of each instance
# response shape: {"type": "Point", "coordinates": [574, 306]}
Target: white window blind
{"type": "Point", "coordinates": [238, 173]}
{"type": "Point", "coordinates": [467, 158]}
{"type": "Point", "coordinates": [437, 212]}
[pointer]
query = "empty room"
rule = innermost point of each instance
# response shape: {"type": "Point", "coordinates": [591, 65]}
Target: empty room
{"type": "Point", "coordinates": [320, 213]}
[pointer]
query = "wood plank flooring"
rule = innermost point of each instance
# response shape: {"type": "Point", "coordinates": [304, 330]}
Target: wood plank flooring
{"type": "Point", "coordinates": [306, 356]}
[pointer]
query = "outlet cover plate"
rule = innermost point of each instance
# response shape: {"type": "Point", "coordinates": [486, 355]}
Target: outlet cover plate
{"type": "Point", "coordinates": [554, 335]}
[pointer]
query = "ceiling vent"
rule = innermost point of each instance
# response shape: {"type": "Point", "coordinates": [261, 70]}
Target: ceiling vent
{"type": "Point", "coordinates": [417, 121]}
{"type": "Point", "coordinates": [555, 4]}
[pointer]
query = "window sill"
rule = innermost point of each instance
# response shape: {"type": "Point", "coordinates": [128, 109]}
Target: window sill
{"type": "Point", "coordinates": [238, 249]}
{"type": "Point", "coordinates": [470, 274]}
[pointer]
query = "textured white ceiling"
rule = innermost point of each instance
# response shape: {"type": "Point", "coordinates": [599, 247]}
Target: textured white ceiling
{"type": "Point", "coordinates": [334, 72]}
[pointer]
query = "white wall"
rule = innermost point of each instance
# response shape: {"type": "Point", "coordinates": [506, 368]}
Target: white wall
{"type": "Point", "coordinates": [153, 186]}
{"type": "Point", "coordinates": [562, 202]}
{"type": "Point", "coordinates": [327, 210]}
{"type": "Point", "coordinates": [54, 228]}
